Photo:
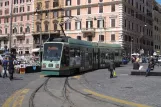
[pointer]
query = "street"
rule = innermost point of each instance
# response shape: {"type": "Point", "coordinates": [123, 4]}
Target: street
{"type": "Point", "coordinates": [9, 87]}
{"type": "Point", "coordinates": [93, 88]}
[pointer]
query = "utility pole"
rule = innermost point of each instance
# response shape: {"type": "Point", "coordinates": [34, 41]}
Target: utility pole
{"type": "Point", "coordinates": [10, 38]}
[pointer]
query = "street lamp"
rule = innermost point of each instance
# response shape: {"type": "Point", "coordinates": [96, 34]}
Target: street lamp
{"type": "Point", "coordinates": [131, 45]}
{"type": "Point", "coordinates": [40, 33]}
{"type": "Point", "coordinates": [10, 26]}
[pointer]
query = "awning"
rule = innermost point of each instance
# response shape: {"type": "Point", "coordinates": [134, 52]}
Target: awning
{"type": "Point", "coordinates": [35, 50]}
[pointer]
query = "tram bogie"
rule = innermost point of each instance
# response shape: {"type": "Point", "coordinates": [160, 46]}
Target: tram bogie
{"type": "Point", "coordinates": [71, 55]}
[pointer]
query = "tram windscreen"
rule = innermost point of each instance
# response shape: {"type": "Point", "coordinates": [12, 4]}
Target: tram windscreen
{"type": "Point", "coordinates": [52, 51]}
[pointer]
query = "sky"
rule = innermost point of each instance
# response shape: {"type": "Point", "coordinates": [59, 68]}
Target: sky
{"type": "Point", "coordinates": [159, 1]}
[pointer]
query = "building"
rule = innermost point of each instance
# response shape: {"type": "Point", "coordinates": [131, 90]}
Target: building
{"type": "Point", "coordinates": [47, 13]}
{"type": "Point", "coordinates": [126, 22]}
{"type": "Point", "coordinates": [22, 24]}
{"type": "Point", "coordinates": [157, 28]}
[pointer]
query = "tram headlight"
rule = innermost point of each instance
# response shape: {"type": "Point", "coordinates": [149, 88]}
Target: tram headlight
{"type": "Point", "coordinates": [43, 65]}
{"type": "Point", "coordinates": [56, 65]}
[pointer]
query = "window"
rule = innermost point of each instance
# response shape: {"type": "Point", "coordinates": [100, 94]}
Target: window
{"type": "Point", "coordinates": [15, 10]}
{"type": "Point", "coordinates": [89, 38]}
{"type": "Point", "coordinates": [112, 8]}
{"type": "Point", "coordinates": [7, 3]}
{"type": "Point", "coordinates": [68, 2]}
{"type": "Point", "coordinates": [55, 27]}
{"type": "Point", "coordinates": [21, 18]}
{"type": "Point", "coordinates": [15, 1]}
{"type": "Point", "coordinates": [46, 27]}
{"type": "Point", "coordinates": [6, 20]}
{"type": "Point", "coordinates": [0, 21]}
{"type": "Point", "coordinates": [100, 9]}
{"type": "Point", "coordinates": [125, 23]}
{"type": "Point", "coordinates": [55, 14]}
{"type": "Point", "coordinates": [21, 1]}
{"type": "Point", "coordinates": [22, 9]}
{"type": "Point", "coordinates": [68, 13]}
{"type": "Point", "coordinates": [78, 2]}
{"type": "Point", "coordinates": [21, 29]}
{"type": "Point", "coordinates": [15, 19]}
{"type": "Point", "coordinates": [15, 30]}
{"type": "Point", "coordinates": [28, 29]}
{"type": "Point", "coordinates": [0, 12]}
{"type": "Point", "coordinates": [0, 31]}
{"type": "Point", "coordinates": [89, 1]}
{"type": "Point", "coordinates": [79, 37]}
{"type": "Point", "coordinates": [113, 37]}
{"type": "Point", "coordinates": [1, 4]}
{"type": "Point", "coordinates": [112, 22]}
{"type": "Point", "coordinates": [101, 38]}
{"type": "Point", "coordinates": [14, 41]}
{"type": "Point", "coordinates": [20, 41]}
{"type": "Point", "coordinates": [28, 17]}
{"type": "Point", "coordinates": [6, 31]}
{"type": "Point", "coordinates": [77, 25]}
{"type": "Point", "coordinates": [68, 26]}
{"type": "Point", "coordinates": [28, 8]}
{"type": "Point", "coordinates": [78, 11]}
{"type": "Point", "coordinates": [55, 3]}
{"type": "Point", "coordinates": [27, 41]}
{"type": "Point", "coordinates": [89, 10]}
{"type": "Point", "coordinates": [89, 24]}
{"type": "Point", "coordinates": [38, 27]}
{"type": "Point", "coordinates": [7, 11]}
{"type": "Point", "coordinates": [46, 4]}
{"type": "Point", "coordinates": [100, 23]}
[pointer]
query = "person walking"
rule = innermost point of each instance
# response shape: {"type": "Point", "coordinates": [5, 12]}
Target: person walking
{"type": "Point", "coordinates": [11, 67]}
{"type": "Point", "coordinates": [5, 65]}
{"type": "Point", "coordinates": [111, 68]}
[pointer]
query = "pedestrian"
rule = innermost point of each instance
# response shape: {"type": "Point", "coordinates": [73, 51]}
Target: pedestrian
{"type": "Point", "coordinates": [11, 67]}
{"type": "Point", "coordinates": [5, 66]}
{"type": "Point", "coordinates": [149, 69]}
{"type": "Point", "coordinates": [111, 68]}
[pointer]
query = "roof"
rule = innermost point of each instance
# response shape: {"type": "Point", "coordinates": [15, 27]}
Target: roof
{"type": "Point", "coordinates": [79, 42]}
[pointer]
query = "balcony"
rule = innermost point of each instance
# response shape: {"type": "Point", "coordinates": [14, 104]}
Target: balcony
{"type": "Point", "coordinates": [87, 30]}
{"type": "Point", "coordinates": [20, 35]}
{"type": "Point", "coordinates": [4, 37]}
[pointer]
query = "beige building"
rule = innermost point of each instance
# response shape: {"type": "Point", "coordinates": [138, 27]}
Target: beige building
{"type": "Point", "coordinates": [112, 21]}
{"type": "Point", "coordinates": [45, 19]}
{"type": "Point", "coordinates": [157, 28]}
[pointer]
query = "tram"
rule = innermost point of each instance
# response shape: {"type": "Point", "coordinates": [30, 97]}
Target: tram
{"type": "Point", "coordinates": [64, 56]}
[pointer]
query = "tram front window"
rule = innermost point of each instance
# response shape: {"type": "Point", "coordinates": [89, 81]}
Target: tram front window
{"type": "Point", "coordinates": [52, 52]}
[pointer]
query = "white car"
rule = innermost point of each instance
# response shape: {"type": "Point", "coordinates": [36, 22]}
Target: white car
{"type": "Point", "coordinates": [159, 59]}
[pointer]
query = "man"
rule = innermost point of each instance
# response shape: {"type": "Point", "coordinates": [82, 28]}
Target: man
{"type": "Point", "coordinates": [5, 64]}
{"type": "Point", "coordinates": [11, 67]}
{"type": "Point", "coordinates": [111, 68]}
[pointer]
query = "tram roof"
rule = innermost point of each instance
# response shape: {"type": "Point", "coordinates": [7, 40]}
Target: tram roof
{"type": "Point", "coordinates": [79, 42]}
{"type": "Point", "coordinates": [109, 45]}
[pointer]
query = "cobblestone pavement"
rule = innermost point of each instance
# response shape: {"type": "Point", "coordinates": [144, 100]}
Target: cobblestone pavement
{"type": "Point", "coordinates": [138, 89]}
{"type": "Point", "coordinates": [8, 87]}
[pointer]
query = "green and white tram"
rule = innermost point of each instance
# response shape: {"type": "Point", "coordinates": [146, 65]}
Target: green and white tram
{"type": "Point", "coordinates": [64, 56]}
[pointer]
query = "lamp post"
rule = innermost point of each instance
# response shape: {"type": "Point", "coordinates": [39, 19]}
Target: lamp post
{"type": "Point", "coordinates": [131, 45]}
{"type": "Point", "coordinates": [10, 26]}
{"type": "Point", "coordinates": [37, 11]}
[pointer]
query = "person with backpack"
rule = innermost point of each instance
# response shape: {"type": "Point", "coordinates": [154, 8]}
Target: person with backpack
{"type": "Point", "coordinates": [11, 67]}
{"type": "Point", "coordinates": [5, 66]}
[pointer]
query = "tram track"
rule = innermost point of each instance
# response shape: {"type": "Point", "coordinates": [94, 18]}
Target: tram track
{"type": "Point", "coordinates": [65, 94]}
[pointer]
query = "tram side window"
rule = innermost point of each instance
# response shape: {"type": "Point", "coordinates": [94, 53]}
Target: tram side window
{"type": "Point", "coordinates": [72, 52]}
{"type": "Point", "coordinates": [65, 56]}
{"type": "Point", "coordinates": [111, 56]}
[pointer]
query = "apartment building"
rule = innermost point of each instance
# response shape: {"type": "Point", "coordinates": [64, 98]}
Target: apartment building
{"type": "Point", "coordinates": [22, 24]}
{"type": "Point", "coordinates": [47, 13]}
{"type": "Point", "coordinates": [157, 28]}
{"type": "Point", "coordinates": [126, 22]}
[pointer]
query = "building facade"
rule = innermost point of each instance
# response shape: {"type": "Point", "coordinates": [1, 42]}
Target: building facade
{"type": "Point", "coordinates": [157, 28]}
{"type": "Point", "coordinates": [47, 13]}
{"type": "Point", "coordinates": [22, 24]}
{"type": "Point", "coordinates": [126, 22]}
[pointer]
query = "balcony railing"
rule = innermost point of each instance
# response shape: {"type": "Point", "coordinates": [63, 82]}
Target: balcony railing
{"type": "Point", "coordinates": [84, 30]}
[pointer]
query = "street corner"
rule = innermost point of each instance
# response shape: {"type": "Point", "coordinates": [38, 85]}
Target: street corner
{"type": "Point", "coordinates": [16, 99]}
{"type": "Point", "coordinates": [114, 100]}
